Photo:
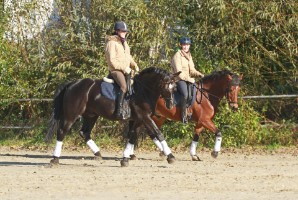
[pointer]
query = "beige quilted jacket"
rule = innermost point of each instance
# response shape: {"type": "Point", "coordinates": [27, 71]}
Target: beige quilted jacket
{"type": "Point", "coordinates": [117, 55]}
{"type": "Point", "coordinates": [184, 63]}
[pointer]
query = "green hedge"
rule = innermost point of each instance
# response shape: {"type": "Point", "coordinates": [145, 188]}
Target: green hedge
{"type": "Point", "coordinates": [256, 38]}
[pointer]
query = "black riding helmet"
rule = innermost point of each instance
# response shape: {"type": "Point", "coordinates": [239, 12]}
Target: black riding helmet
{"type": "Point", "coordinates": [120, 26]}
{"type": "Point", "coordinates": [185, 40]}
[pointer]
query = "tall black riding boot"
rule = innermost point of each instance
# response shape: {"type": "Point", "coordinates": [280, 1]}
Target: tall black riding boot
{"type": "Point", "coordinates": [119, 106]}
{"type": "Point", "coordinates": [183, 111]}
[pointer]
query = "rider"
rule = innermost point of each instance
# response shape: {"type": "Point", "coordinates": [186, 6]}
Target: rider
{"type": "Point", "coordinates": [120, 61]}
{"type": "Point", "coordinates": [182, 61]}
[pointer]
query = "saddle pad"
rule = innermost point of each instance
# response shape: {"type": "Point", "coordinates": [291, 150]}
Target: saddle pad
{"type": "Point", "coordinates": [109, 90]}
{"type": "Point", "coordinates": [177, 97]}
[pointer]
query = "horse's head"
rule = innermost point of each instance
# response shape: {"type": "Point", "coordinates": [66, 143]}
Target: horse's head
{"type": "Point", "coordinates": [152, 82]}
{"type": "Point", "coordinates": [168, 86]}
{"type": "Point", "coordinates": [233, 90]}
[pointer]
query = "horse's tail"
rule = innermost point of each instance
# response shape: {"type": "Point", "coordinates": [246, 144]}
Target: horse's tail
{"type": "Point", "coordinates": [57, 114]}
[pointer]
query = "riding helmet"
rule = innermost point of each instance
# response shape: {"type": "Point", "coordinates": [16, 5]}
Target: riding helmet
{"type": "Point", "coordinates": [120, 26]}
{"type": "Point", "coordinates": [185, 40]}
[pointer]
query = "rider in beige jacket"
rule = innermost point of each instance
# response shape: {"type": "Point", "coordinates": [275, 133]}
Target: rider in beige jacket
{"type": "Point", "coordinates": [182, 61]}
{"type": "Point", "coordinates": [118, 55]}
{"type": "Point", "coordinates": [120, 61]}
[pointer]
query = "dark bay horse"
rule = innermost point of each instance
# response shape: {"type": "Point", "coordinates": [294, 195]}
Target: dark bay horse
{"type": "Point", "coordinates": [210, 90]}
{"type": "Point", "coordinates": [83, 98]}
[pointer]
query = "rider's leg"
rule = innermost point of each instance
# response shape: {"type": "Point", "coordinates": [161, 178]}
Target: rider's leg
{"type": "Point", "coordinates": [121, 81]}
{"type": "Point", "coordinates": [182, 88]}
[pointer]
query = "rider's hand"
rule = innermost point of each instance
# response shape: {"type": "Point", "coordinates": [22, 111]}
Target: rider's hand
{"type": "Point", "coordinates": [127, 70]}
{"type": "Point", "coordinates": [137, 68]}
{"type": "Point", "coordinates": [191, 80]}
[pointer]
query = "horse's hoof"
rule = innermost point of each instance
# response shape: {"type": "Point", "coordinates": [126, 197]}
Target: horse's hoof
{"type": "Point", "coordinates": [214, 154]}
{"type": "Point", "coordinates": [54, 161]}
{"type": "Point", "coordinates": [124, 162]}
{"type": "Point", "coordinates": [195, 158]}
{"type": "Point", "coordinates": [171, 159]}
{"type": "Point", "coordinates": [97, 156]}
{"type": "Point", "coordinates": [133, 157]}
{"type": "Point", "coordinates": [162, 154]}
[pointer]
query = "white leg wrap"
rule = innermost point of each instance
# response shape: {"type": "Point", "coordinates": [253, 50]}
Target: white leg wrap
{"type": "Point", "coordinates": [165, 148]}
{"type": "Point", "coordinates": [158, 144]}
{"type": "Point", "coordinates": [58, 148]}
{"type": "Point", "coordinates": [94, 148]}
{"type": "Point", "coordinates": [193, 148]}
{"type": "Point", "coordinates": [127, 150]}
{"type": "Point", "coordinates": [132, 150]}
{"type": "Point", "coordinates": [217, 144]}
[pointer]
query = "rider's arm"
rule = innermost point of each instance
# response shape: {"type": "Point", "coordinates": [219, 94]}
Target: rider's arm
{"type": "Point", "coordinates": [112, 57]}
{"type": "Point", "coordinates": [193, 71]}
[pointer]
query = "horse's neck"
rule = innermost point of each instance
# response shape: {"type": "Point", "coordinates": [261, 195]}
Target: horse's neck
{"type": "Point", "coordinates": [215, 92]}
{"type": "Point", "coordinates": [148, 93]}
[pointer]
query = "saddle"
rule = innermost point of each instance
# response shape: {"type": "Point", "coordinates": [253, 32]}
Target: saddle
{"type": "Point", "coordinates": [110, 89]}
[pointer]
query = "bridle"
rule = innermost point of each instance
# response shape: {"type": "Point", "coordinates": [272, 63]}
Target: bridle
{"type": "Point", "coordinates": [169, 99]}
{"type": "Point", "coordinates": [204, 92]}
{"type": "Point", "coordinates": [228, 90]}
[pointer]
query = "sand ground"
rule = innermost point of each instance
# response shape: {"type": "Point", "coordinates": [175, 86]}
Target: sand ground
{"type": "Point", "coordinates": [233, 175]}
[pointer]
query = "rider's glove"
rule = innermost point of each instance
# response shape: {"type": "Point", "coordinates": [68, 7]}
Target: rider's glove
{"type": "Point", "coordinates": [137, 68]}
{"type": "Point", "coordinates": [127, 70]}
{"type": "Point", "coordinates": [192, 80]}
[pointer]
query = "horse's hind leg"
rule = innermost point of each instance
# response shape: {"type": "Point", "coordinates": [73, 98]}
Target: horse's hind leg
{"type": "Point", "coordinates": [88, 124]}
{"type": "Point", "coordinates": [60, 137]}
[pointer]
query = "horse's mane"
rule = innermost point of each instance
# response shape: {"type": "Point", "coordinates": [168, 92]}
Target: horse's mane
{"type": "Point", "coordinates": [150, 70]}
{"type": "Point", "coordinates": [217, 74]}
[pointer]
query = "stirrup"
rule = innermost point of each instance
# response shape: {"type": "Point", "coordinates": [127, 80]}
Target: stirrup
{"type": "Point", "coordinates": [184, 118]}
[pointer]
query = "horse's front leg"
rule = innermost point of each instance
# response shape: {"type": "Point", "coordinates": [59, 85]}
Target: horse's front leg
{"type": "Point", "coordinates": [194, 143]}
{"type": "Point", "coordinates": [88, 124]}
{"type": "Point", "coordinates": [159, 121]}
{"type": "Point", "coordinates": [153, 131]}
{"type": "Point", "coordinates": [218, 138]}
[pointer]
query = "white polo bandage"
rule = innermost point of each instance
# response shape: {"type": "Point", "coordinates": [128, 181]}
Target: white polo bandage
{"type": "Point", "coordinates": [58, 148]}
{"type": "Point", "coordinates": [217, 144]}
{"type": "Point", "coordinates": [94, 148]}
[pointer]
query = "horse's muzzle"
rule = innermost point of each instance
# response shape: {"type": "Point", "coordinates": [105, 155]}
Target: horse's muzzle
{"type": "Point", "coordinates": [234, 106]}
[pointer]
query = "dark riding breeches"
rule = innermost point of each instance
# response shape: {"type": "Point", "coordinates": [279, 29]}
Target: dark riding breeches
{"type": "Point", "coordinates": [182, 89]}
{"type": "Point", "coordinates": [120, 79]}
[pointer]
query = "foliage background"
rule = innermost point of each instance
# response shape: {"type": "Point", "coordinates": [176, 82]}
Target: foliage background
{"type": "Point", "coordinates": [255, 38]}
